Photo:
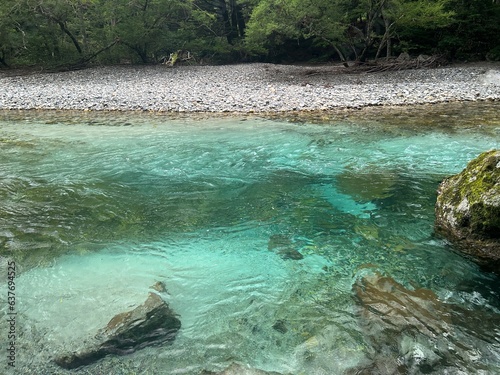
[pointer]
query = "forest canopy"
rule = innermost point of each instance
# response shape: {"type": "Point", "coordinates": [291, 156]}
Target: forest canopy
{"type": "Point", "coordinates": [57, 33]}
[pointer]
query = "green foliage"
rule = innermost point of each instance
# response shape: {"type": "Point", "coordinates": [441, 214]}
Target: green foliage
{"type": "Point", "coordinates": [356, 26]}
{"type": "Point", "coordinates": [66, 32]}
{"type": "Point", "coordinates": [494, 54]}
{"type": "Point", "coordinates": [474, 32]}
{"type": "Point", "coordinates": [419, 24]}
{"type": "Point", "coordinates": [61, 32]}
{"type": "Point", "coordinates": [272, 22]}
{"type": "Point", "coordinates": [423, 13]}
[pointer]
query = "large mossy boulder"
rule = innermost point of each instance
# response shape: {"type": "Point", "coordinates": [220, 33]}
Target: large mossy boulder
{"type": "Point", "coordinates": [468, 210]}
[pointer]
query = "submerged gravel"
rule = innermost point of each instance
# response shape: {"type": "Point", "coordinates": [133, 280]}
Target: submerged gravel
{"type": "Point", "coordinates": [244, 88]}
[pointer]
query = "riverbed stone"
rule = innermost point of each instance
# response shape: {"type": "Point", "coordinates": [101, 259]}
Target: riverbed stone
{"type": "Point", "coordinates": [282, 245]}
{"type": "Point", "coordinates": [238, 369]}
{"type": "Point", "coordinates": [404, 326]}
{"type": "Point", "coordinates": [368, 184]}
{"type": "Point", "coordinates": [151, 323]}
{"type": "Point", "coordinates": [412, 330]}
{"type": "Point", "coordinates": [468, 210]}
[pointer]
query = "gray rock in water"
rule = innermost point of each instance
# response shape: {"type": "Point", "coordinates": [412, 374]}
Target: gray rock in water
{"type": "Point", "coordinates": [277, 241]}
{"type": "Point", "coordinates": [151, 323]}
{"type": "Point", "coordinates": [468, 210]}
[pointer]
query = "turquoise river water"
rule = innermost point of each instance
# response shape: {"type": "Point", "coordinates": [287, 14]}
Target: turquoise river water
{"type": "Point", "coordinates": [263, 231]}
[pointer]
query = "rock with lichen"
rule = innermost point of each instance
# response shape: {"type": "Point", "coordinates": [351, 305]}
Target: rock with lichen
{"type": "Point", "coordinates": [468, 210]}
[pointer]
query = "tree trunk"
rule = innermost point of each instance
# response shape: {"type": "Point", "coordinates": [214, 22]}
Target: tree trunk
{"type": "Point", "coordinates": [342, 57]}
{"type": "Point", "coordinates": [234, 19]}
{"type": "Point", "coordinates": [241, 20]}
{"type": "Point", "coordinates": [389, 48]}
{"type": "Point", "coordinates": [40, 9]}
{"type": "Point", "coordinates": [101, 51]}
{"type": "Point", "coordinates": [222, 9]}
{"type": "Point", "coordinates": [373, 14]}
{"type": "Point", "coordinates": [141, 52]}
{"type": "Point", "coordinates": [2, 62]}
{"type": "Point", "coordinates": [380, 47]}
{"type": "Point", "coordinates": [71, 36]}
{"type": "Point", "coordinates": [339, 52]}
{"type": "Point", "coordinates": [388, 41]}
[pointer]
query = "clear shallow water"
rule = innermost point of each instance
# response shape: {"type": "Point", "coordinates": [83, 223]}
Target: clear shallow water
{"type": "Point", "coordinates": [95, 210]}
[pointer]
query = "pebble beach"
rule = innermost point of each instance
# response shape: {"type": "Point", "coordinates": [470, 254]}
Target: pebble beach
{"type": "Point", "coordinates": [245, 88]}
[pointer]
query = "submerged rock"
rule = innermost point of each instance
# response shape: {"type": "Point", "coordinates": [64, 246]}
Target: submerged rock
{"type": "Point", "coordinates": [281, 245]}
{"type": "Point", "coordinates": [151, 323]}
{"type": "Point", "coordinates": [367, 184]}
{"type": "Point", "coordinates": [400, 325]}
{"type": "Point", "coordinates": [289, 253]}
{"type": "Point", "coordinates": [277, 241]}
{"type": "Point", "coordinates": [280, 326]}
{"type": "Point", "coordinates": [385, 300]}
{"type": "Point", "coordinates": [412, 331]}
{"type": "Point", "coordinates": [237, 369]}
{"type": "Point", "coordinates": [468, 210]}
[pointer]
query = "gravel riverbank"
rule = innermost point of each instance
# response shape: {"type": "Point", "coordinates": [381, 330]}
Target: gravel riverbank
{"type": "Point", "coordinates": [244, 88]}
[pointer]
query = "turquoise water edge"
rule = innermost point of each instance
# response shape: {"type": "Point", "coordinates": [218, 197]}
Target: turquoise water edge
{"type": "Point", "coordinates": [263, 231]}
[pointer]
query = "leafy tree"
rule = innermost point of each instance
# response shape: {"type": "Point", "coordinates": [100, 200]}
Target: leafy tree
{"type": "Point", "coordinates": [8, 42]}
{"type": "Point", "coordinates": [274, 21]}
{"type": "Point", "coordinates": [145, 27]}
{"type": "Point", "coordinates": [227, 14]}
{"type": "Point", "coordinates": [77, 31]}
{"type": "Point", "coordinates": [45, 30]}
{"type": "Point", "coordinates": [356, 26]}
{"type": "Point", "coordinates": [57, 32]}
{"type": "Point", "coordinates": [475, 30]}
{"type": "Point", "coordinates": [399, 17]}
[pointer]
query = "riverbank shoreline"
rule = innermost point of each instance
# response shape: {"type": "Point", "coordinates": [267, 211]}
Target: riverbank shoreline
{"type": "Point", "coordinates": [245, 89]}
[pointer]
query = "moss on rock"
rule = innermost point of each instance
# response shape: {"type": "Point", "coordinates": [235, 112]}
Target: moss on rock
{"type": "Point", "coordinates": [468, 209]}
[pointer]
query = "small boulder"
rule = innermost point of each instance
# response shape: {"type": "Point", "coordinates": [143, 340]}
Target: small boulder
{"type": "Point", "coordinates": [151, 323]}
{"type": "Point", "coordinates": [404, 57]}
{"type": "Point", "coordinates": [468, 210]}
